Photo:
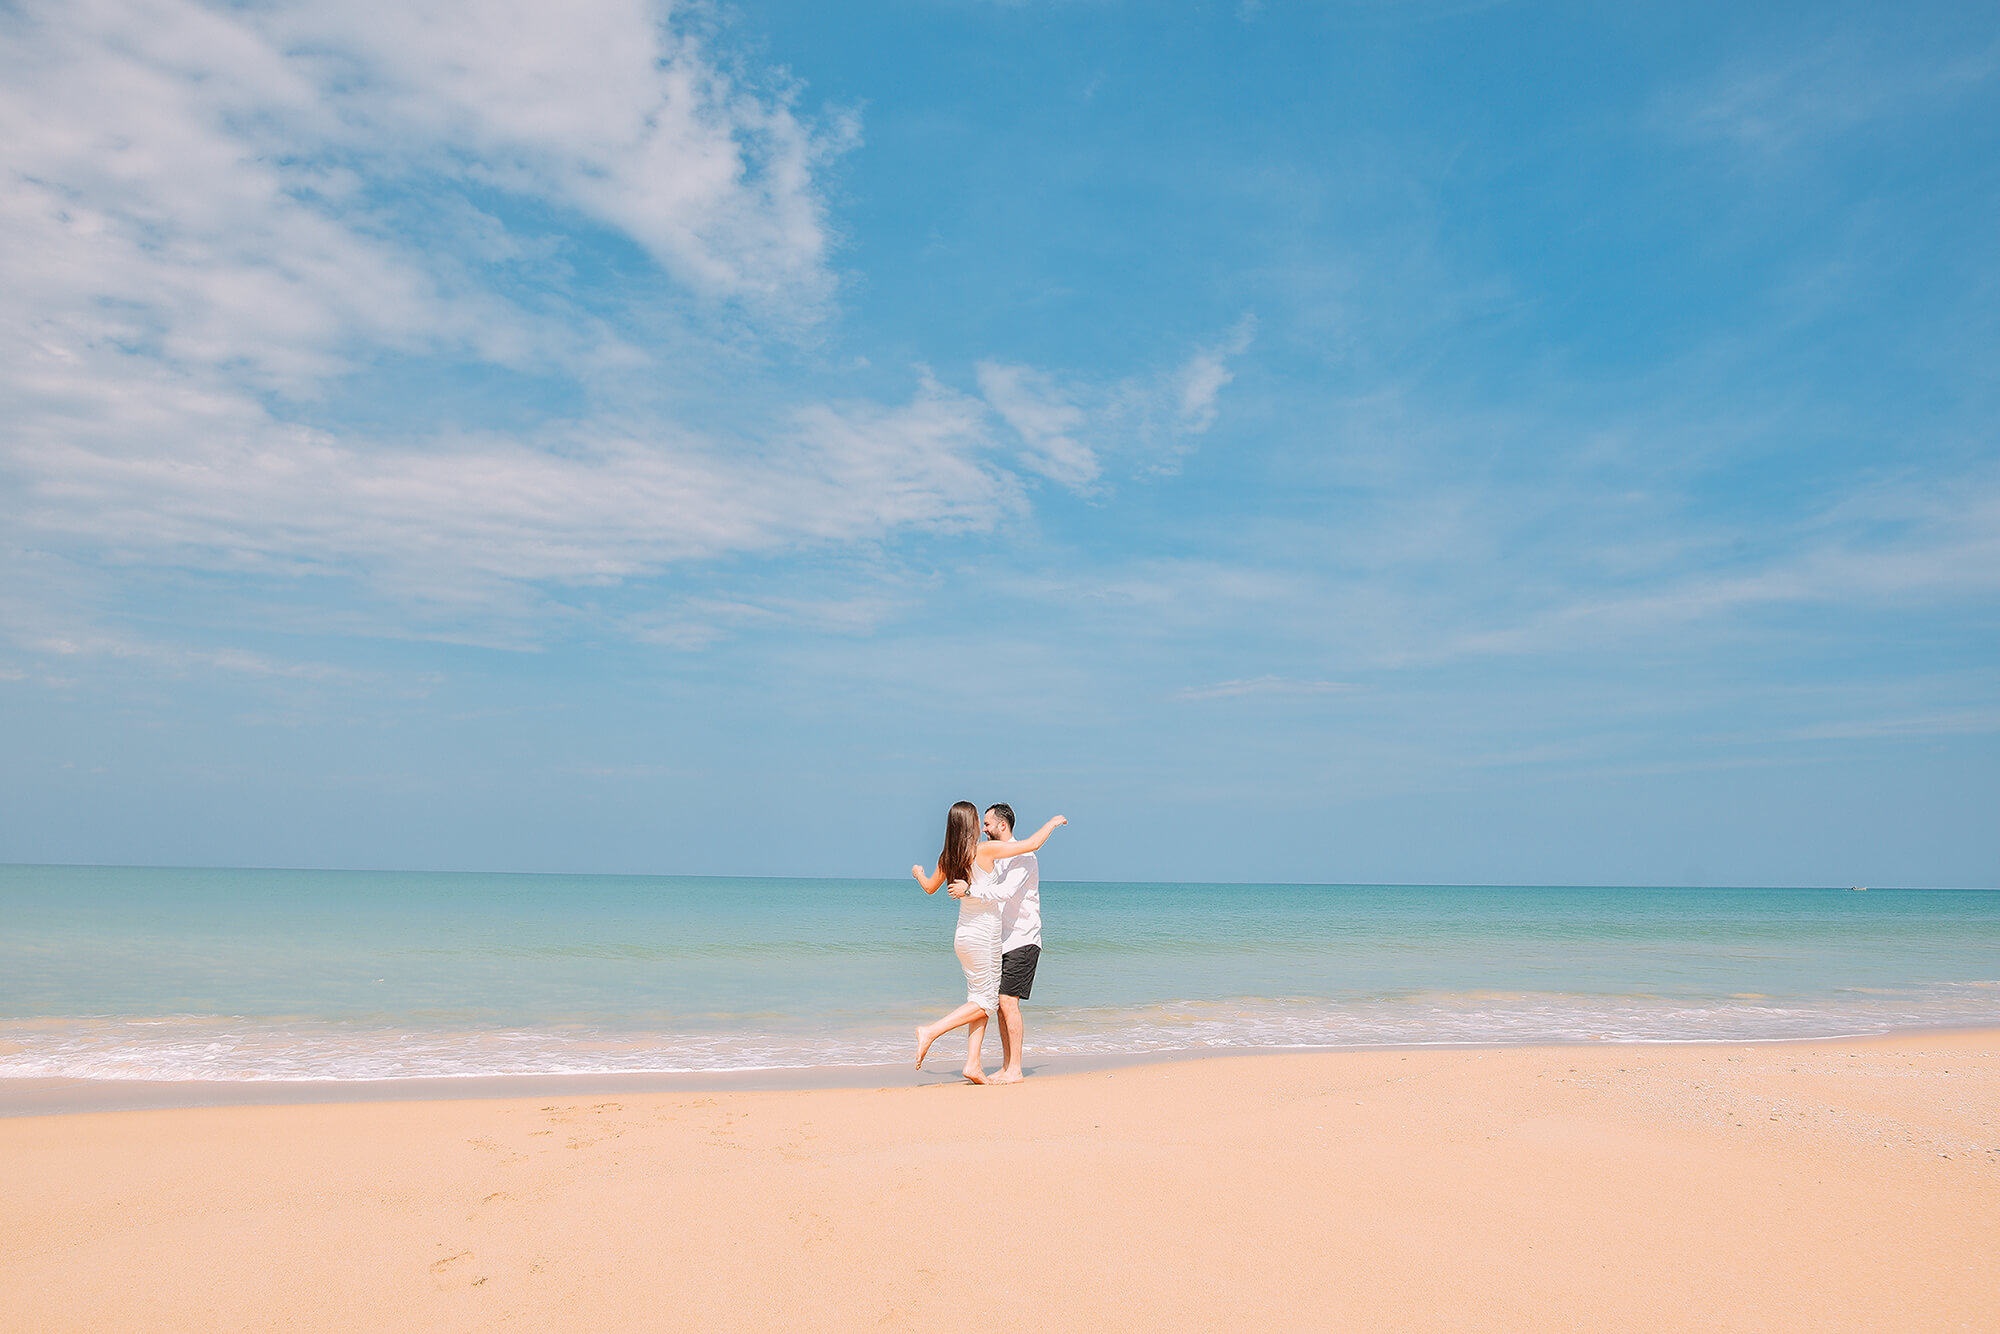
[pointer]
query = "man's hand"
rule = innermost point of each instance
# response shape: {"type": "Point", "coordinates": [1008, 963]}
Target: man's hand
{"type": "Point", "coordinates": [959, 889]}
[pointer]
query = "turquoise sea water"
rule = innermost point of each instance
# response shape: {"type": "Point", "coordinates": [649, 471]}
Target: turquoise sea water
{"type": "Point", "coordinates": [126, 973]}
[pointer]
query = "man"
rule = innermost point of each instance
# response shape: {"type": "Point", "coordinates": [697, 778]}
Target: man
{"type": "Point", "coordinates": [1020, 937]}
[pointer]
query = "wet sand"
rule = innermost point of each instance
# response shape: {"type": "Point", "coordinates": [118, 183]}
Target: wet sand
{"type": "Point", "coordinates": [1826, 1186]}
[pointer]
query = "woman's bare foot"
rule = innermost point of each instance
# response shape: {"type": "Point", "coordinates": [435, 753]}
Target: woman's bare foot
{"type": "Point", "coordinates": [974, 1075]}
{"type": "Point", "coordinates": [924, 1041]}
{"type": "Point", "coordinates": [1005, 1077]}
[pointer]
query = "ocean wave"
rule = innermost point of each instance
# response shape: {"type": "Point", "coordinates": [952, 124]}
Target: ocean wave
{"type": "Point", "coordinates": [251, 1049]}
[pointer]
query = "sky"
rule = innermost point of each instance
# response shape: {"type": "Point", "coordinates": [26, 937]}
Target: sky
{"type": "Point", "coordinates": [1368, 441]}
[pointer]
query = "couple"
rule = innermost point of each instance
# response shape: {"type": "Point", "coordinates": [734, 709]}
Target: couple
{"type": "Point", "coordinates": [998, 885]}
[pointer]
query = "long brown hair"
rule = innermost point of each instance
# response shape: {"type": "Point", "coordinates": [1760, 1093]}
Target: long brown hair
{"type": "Point", "coordinates": [961, 839]}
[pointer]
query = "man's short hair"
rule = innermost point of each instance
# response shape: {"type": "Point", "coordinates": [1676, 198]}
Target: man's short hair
{"type": "Point", "coordinates": [1005, 812]}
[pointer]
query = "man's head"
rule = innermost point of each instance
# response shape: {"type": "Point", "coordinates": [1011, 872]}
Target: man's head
{"type": "Point", "coordinates": [999, 821]}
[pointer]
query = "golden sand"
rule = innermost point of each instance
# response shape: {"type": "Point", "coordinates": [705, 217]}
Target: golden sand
{"type": "Point", "coordinates": [1841, 1186]}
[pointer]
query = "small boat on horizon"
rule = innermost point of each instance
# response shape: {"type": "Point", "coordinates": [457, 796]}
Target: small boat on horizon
{"type": "Point", "coordinates": [1857, 889]}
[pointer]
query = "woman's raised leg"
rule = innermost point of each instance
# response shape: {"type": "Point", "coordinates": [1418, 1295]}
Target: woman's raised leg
{"type": "Point", "coordinates": [929, 1033]}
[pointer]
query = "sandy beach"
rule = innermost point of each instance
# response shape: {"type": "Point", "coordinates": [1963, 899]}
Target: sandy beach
{"type": "Point", "coordinates": [1847, 1185]}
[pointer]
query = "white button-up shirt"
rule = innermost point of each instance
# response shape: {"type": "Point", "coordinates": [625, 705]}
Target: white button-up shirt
{"type": "Point", "coordinates": [1021, 910]}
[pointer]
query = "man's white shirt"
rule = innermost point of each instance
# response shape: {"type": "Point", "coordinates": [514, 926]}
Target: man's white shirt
{"type": "Point", "coordinates": [1021, 910]}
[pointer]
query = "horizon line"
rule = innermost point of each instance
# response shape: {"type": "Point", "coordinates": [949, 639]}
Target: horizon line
{"type": "Point", "coordinates": [703, 875]}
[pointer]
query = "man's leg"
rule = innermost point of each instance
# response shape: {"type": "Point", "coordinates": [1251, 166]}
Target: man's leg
{"type": "Point", "coordinates": [1017, 983]}
{"type": "Point", "coordinates": [1010, 1038]}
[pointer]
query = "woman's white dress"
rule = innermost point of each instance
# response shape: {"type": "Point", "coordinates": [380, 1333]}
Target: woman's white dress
{"type": "Point", "coordinates": [978, 939]}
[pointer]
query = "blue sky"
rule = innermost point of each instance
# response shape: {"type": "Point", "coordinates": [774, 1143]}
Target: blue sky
{"type": "Point", "coordinates": [1369, 441]}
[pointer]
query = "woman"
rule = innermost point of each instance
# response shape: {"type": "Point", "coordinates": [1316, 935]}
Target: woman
{"type": "Point", "coordinates": [967, 864]}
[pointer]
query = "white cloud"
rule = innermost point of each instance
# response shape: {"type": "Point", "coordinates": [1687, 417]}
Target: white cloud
{"type": "Point", "coordinates": [249, 201]}
{"type": "Point", "coordinates": [199, 182]}
{"type": "Point", "coordinates": [197, 239]}
{"type": "Point", "coordinates": [213, 218]}
{"type": "Point", "coordinates": [607, 106]}
{"type": "Point", "coordinates": [177, 190]}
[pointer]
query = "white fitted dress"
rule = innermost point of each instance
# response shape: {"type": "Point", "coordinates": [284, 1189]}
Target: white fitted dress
{"type": "Point", "coordinates": [978, 939]}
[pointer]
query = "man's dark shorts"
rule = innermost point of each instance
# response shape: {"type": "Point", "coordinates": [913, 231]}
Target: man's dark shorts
{"type": "Point", "coordinates": [1017, 971]}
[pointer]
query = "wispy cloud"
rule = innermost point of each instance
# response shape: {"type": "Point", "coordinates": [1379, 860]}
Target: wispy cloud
{"type": "Point", "coordinates": [444, 518]}
{"type": "Point", "coordinates": [212, 221]}
{"type": "Point", "coordinates": [1967, 722]}
{"type": "Point", "coordinates": [206, 223]}
{"type": "Point", "coordinates": [180, 658]}
{"type": "Point", "coordinates": [1205, 374]}
{"type": "Point", "coordinates": [627, 772]}
{"type": "Point", "coordinates": [1267, 685]}
{"type": "Point", "coordinates": [1046, 420]}
{"type": "Point", "coordinates": [209, 218]}
{"type": "Point", "coordinates": [1879, 547]}
{"type": "Point", "coordinates": [1071, 430]}
{"type": "Point", "coordinates": [1814, 94]}
{"type": "Point", "coordinates": [273, 195]}
{"type": "Point", "coordinates": [698, 622]}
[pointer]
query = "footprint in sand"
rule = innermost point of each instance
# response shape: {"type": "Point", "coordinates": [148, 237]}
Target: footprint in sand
{"type": "Point", "coordinates": [455, 1271]}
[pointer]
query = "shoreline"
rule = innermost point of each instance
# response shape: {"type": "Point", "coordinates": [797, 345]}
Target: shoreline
{"type": "Point", "coordinates": [28, 1097]}
{"type": "Point", "coordinates": [1774, 1188]}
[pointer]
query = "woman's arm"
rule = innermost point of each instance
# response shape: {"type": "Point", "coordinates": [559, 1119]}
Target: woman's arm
{"type": "Point", "coordinates": [930, 882]}
{"type": "Point", "coordinates": [1014, 847]}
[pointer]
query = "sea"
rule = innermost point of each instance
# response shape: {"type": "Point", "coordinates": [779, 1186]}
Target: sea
{"type": "Point", "coordinates": [127, 973]}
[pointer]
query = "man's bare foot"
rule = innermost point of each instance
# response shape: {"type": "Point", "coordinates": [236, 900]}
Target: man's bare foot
{"type": "Point", "coordinates": [974, 1075]}
{"type": "Point", "coordinates": [923, 1046]}
{"type": "Point", "coordinates": [1006, 1077]}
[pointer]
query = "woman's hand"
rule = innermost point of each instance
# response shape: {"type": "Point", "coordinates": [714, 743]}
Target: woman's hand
{"type": "Point", "coordinates": [959, 889]}
{"type": "Point", "coordinates": [917, 872]}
